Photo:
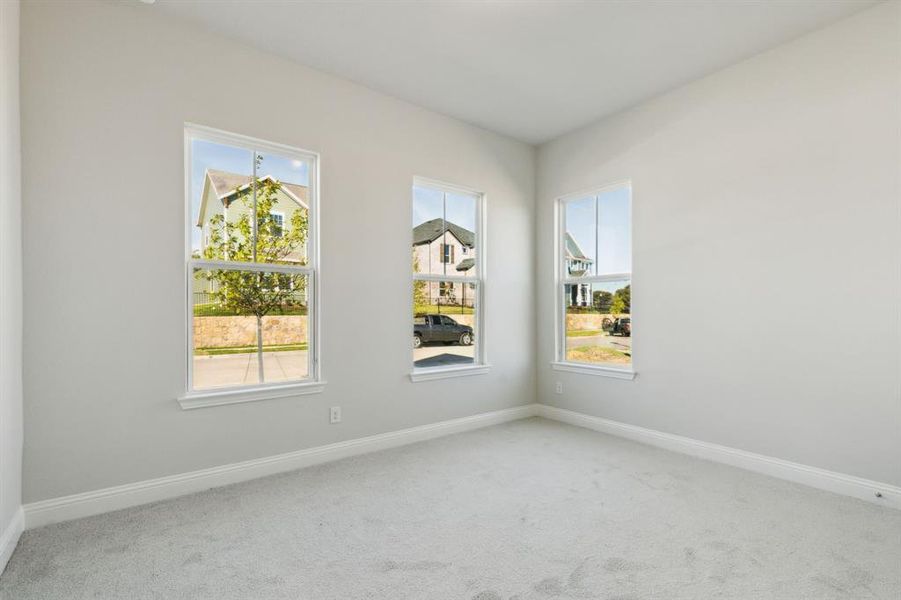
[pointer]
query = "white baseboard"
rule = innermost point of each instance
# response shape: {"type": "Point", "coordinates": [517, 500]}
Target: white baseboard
{"type": "Point", "coordinates": [10, 537]}
{"type": "Point", "coordinates": [104, 500]}
{"type": "Point", "coordinates": [875, 492]}
{"type": "Point", "coordinates": [65, 508]}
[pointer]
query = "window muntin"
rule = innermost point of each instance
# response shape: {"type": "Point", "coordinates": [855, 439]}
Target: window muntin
{"type": "Point", "coordinates": [447, 290]}
{"type": "Point", "coordinates": [251, 271]}
{"type": "Point", "coordinates": [447, 254]}
{"type": "Point", "coordinates": [594, 285]}
{"type": "Point", "coordinates": [278, 223]}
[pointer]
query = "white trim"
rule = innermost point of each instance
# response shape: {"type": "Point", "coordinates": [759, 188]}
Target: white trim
{"type": "Point", "coordinates": [480, 350]}
{"type": "Point", "coordinates": [445, 186]}
{"type": "Point", "coordinates": [10, 537]}
{"type": "Point", "coordinates": [312, 271]}
{"type": "Point", "coordinates": [612, 277]}
{"type": "Point", "coordinates": [448, 278]}
{"type": "Point", "coordinates": [233, 395]}
{"type": "Point", "coordinates": [65, 508]}
{"type": "Point", "coordinates": [595, 191]}
{"type": "Point", "coordinates": [599, 370]}
{"type": "Point", "coordinates": [238, 140]}
{"type": "Point", "coordinates": [97, 502]}
{"type": "Point", "coordinates": [250, 266]}
{"type": "Point", "coordinates": [430, 374]}
{"type": "Point", "coordinates": [815, 477]}
{"type": "Point", "coordinates": [561, 280]}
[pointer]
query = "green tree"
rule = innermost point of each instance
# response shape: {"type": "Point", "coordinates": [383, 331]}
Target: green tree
{"type": "Point", "coordinates": [601, 300]}
{"type": "Point", "coordinates": [256, 293]}
{"type": "Point", "coordinates": [419, 287]}
{"type": "Point", "coordinates": [622, 301]}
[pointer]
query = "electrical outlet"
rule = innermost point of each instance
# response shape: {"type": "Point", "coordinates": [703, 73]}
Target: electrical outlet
{"type": "Point", "coordinates": [334, 415]}
{"type": "Point", "coordinates": [559, 388]}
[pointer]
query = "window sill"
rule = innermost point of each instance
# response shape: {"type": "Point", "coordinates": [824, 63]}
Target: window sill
{"type": "Point", "coordinates": [445, 373]}
{"type": "Point", "coordinates": [594, 370]}
{"type": "Point", "coordinates": [250, 394]}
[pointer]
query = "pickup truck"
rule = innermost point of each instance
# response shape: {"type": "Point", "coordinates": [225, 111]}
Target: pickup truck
{"type": "Point", "coordinates": [440, 328]}
{"type": "Point", "coordinates": [622, 327]}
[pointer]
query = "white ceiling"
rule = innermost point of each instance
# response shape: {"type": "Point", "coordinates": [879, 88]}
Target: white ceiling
{"type": "Point", "coordinates": [529, 69]}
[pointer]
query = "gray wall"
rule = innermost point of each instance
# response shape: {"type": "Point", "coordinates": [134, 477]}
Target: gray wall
{"type": "Point", "coordinates": [765, 203]}
{"type": "Point", "coordinates": [10, 270]}
{"type": "Point", "coordinates": [106, 89]}
{"type": "Point", "coordinates": [766, 260]}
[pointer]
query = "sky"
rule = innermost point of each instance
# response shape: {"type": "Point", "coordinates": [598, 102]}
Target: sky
{"type": "Point", "coordinates": [427, 205]}
{"type": "Point", "coordinates": [209, 155]}
{"type": "Point", "coordinates": [600, 224]}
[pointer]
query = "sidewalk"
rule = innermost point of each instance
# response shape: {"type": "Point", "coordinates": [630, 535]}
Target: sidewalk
{"type": "Point", "coordinates": [241, 369]}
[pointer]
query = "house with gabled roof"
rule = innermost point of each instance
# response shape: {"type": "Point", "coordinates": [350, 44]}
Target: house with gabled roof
{"type": "Point", "coordinates": [221, 195]}
{"type": "Point", "coordinates": [577, 265]}
{"type": "Point", "coordinates": [444, 248]}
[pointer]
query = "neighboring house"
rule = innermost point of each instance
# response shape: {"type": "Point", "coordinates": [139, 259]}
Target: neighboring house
{"type": "Point", "coordinates": [577, 265]}
{"type": "Point", "coordinates": [443, 247]}
{"type": "Point", "coordinates": [221, 196]}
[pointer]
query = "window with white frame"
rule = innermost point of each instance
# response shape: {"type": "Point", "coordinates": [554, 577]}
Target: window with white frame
{"type": "Point", "coordinates": [251, 263]}
{"type": "Point", "coordinates": [594, 285]}
{"type": "Point", "coordinates": [448, 272]}
{"type": "Point", "coordinates": [278, 223]}
{"type": "Point", "coordinates": [447, 253]}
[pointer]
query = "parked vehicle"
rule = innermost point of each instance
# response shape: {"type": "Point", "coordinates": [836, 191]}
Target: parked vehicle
{"type": "Point", "coordinates": [440, 328]}
{"type": "Point", "coordinates": [622, 327]}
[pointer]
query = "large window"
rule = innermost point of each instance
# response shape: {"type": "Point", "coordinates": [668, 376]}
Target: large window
{"type": "Point", "coordinates": [594, 284]}
{"type": "Point", "coordinates": [251, 264]}
{"type": "Point", "coordinates": [448, 265]}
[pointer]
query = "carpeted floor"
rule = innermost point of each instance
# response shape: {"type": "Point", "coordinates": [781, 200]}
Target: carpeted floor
{"type": "Point", "coordinates": [527, 510]}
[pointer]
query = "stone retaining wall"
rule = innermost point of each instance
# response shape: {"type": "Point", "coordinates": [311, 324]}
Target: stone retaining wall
{"type": "Point", "coordinates": [225, 332]}
{"type": "Point", "coordinates": [586, 321]}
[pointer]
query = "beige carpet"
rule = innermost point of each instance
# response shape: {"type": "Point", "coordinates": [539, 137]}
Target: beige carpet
{"type": "Point", "coordinates": [528, 510]}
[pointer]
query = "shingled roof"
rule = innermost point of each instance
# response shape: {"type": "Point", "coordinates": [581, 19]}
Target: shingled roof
{"type": "Point", "coordinates": [466, 264]}
{"type": "Point", "coordinates": [226, 185]}
{"type": "Point", "coordinates": [428, 232]}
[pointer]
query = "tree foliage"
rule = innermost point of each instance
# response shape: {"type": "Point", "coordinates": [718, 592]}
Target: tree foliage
{"type": "Point", "coordinates": [256, 236]}
{"type": "Point", "coordinates": [601, 301]}
{"type": "Point", "coordinates": [252, 292]}
{"type": "Point", "coordinates": [622, 301]}
{"type": "Point", "coordinates": [419, 287]}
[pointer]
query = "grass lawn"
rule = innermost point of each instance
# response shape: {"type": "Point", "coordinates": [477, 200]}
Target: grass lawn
{"type": "Point", "coordinates": [216, 310]}
{"type": "Point", "coordinates": [247, 349]}
{"type": "Point", "coordinates": [598, 354]}
{"type": "Point", "coordinates": [583, 332]}
{"type": "Point", "coordinates": [434, 309]}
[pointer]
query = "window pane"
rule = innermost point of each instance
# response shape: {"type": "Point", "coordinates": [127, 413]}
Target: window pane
{"type": "Point", "coordinates": [220, 176]}
{"type": "Point", "coordinates": [580, 242]}
{"type": "Point", "coordinates": [286, 355]}
{"type": "Point", "coordinates": [430, 253]}
{"type": "Point", "coordinates": [614, 232]}
{"type": "Point", "coordinates": [598, 323]}
{"type": "Point", "coordinates": [444, 321]}
{"type": "Point", "coordinates": [462, 219]}
{"type": "Point", "coordinates": [226, 330]}
{"type": "Point", "coordinates": [283, 205]}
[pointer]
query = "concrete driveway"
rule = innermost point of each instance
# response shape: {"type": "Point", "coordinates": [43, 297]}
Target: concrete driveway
{"type": "Point", "coordinates": [241, 369]}
{"type": "Point", "coordinates": [439, 355]}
